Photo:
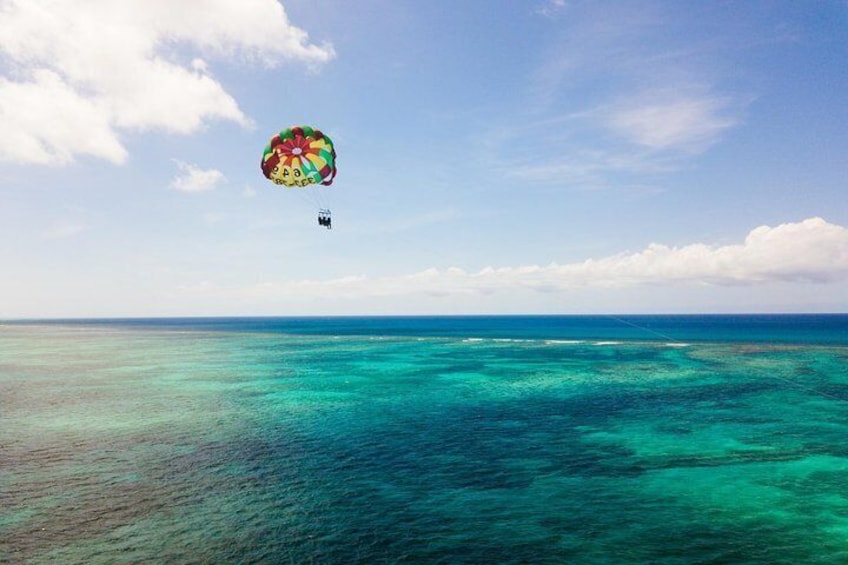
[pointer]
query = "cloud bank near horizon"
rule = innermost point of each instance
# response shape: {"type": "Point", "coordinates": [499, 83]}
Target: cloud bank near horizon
{"type": "Point", "coordinates": [811, 251]}
{"type": "Point", "coordinates": [77, 74]}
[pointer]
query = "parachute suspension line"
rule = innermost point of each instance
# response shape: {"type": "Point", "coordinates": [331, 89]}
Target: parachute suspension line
{"type": "Point", "coordinates": [809, 388]}
{"type": "Point", "coordinates": [776, 377]}
{"type": "Point", "coordinates": [317, 198]}
{"type": "Point", "coordinates": [304, 197]}
{"type": "Point", "coordinates": [316, 204]}
{"type": "Point", "coordinates": [638, 327]}
{"type": "Point", "coordinates": [321, 196]}
{"type": "Point", "coordinates": [324, 208]}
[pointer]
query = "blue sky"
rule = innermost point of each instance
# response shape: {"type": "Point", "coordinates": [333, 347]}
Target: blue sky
{"type": "Point", "coordinates": [543, 156]}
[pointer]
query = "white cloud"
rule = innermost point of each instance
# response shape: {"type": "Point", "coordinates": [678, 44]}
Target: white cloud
{"type": "Point", "coordinates": [577, 155]}
{"type": "Point", "coordinates": [670, 121]}
{"type": "Point", "coordinates": [89, 69]}
{"type": "Point", "coordinates": [625, 89]}
{"type": "Point", "coordinates": [648, 133]}
{"type": "Point", "coordinates": [47, 122]}
{"type": "Point", "coordinates": [551, 8]}
{"type": "Point", "coordinates": [192, 178]}
{"type": "Point", "coordinates": [811, 251]}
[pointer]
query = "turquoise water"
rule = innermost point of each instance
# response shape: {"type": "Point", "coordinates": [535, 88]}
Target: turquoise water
{"type": "Point", "coordinates": [433, 440]}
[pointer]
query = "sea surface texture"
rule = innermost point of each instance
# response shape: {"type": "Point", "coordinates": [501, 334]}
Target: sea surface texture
{"type": "Point", "coordinates": [586, 440]}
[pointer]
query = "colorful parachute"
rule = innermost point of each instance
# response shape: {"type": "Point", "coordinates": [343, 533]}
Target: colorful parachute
{"type": "Point", "coordinates": [298, 157]}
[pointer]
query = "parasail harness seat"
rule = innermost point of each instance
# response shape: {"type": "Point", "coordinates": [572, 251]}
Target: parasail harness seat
{"type": "Point", "coordinates": [324, 219]}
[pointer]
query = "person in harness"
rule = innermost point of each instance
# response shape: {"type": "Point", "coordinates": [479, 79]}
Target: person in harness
{"type": "Point", "coordinates": [324, 219]}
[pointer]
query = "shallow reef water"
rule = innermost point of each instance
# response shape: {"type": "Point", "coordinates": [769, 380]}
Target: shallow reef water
{"type": "Point", "coordinates": [140, 443]}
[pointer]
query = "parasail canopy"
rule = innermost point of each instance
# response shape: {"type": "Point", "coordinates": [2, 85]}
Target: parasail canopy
{"type": "Point", "coordinates": [298, 157]}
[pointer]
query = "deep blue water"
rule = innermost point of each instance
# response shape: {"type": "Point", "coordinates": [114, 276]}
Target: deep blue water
{"type": "Point", "coordinates": [591, 440]}
{"type": "Point", "coordinates": [762, 328]}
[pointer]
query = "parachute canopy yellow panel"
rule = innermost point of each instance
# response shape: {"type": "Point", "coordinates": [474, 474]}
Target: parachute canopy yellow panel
{"type": "Point", "coordinates": [298, 157]}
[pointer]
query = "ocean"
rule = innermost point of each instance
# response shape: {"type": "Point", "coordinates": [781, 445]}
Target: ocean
{"type": "Point", "coordinates": [445, 440]}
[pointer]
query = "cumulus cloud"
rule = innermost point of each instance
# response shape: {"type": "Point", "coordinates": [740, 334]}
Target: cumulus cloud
{"type": "Point", "coordinates": [80, 72]}
{"type": "Point", "coordinates": [44, 121]}
{"type": "Point", "coordinates": [810, 251]}
{"type": "Point", "coordinates": [192, 178]}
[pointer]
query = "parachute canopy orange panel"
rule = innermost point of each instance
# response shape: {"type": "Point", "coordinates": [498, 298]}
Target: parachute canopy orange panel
{"type": "Point", "coordinates": [299, 156]}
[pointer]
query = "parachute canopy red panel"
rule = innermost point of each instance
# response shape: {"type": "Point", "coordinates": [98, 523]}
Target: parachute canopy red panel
{"type": "Point", "coordinates": [298, 157]}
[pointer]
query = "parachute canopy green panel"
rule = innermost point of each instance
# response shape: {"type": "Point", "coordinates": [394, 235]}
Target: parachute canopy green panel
{"type": "Point", "coordinates": [298, 157]}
